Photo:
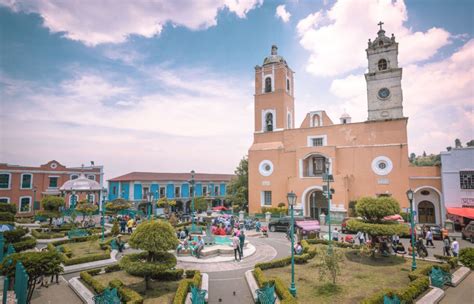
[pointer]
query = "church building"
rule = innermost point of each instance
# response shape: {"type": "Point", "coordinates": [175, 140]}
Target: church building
{"type": "Point", "coordinates": [368, 158]}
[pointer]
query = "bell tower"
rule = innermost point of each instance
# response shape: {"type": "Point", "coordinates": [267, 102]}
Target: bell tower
{"type": "Point", "coordinates": [274, 101]}
{"type": "Point", "coordinates": [384, 88]}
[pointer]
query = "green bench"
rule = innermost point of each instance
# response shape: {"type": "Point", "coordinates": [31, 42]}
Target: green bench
{"type": "Point", "coordinates": [391, 300]}
{"type": "Point", "coordinates": [198, 296]}
{"type": "Point", "coordinates": [266, 294]}
{"type": "Point", "coordinates": [109, 296]}
{"type": "Point", "coordinates": [439, 277]}
{"type": "Point", "coordinates": [75, 233]}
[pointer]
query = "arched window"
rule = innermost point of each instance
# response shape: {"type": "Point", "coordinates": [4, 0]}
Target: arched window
{"type": "Point", "coordinates": [382, 64]}
{"type": "Point", "coordinates": [269, 122]}
{"type": "Point", "coordinates": [268, 85]}
{"type": "Point", "coordinates": [316, 121]}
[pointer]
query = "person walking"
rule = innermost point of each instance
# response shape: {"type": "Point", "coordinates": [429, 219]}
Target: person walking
{"type": "Point", "coordinates": [429, 238]}
{"type": "Point", "coordinates": [360, 236]}
{"type": "Point", "coordinates": [236, 245]}
{"type": "Point", "coordinates": [455, 248]}
{"type": "Point", "coordinates": [335, 235]}
{"type": "Point", "coordinates": [395, 240]}
{"type": "Point", "coordinates": [130, 225]}
{"type": "Point", "coordinates": [123, 224]}
{"type": "Point", "coordinates": [241, 243]}
{"type": "Point", "coordinates": [199, 247]}
{"type": "Point", "coordinates": [446, 246]}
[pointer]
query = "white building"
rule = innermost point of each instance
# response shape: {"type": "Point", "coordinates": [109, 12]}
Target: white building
{"type": "Point", "coordinates": [457, 176]}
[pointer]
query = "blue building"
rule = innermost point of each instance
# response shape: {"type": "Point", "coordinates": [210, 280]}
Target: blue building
{"type": "Point", "coordinates": [140, 187]}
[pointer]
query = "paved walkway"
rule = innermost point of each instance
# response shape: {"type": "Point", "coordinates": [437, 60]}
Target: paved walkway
{"type": "Point", "coordinates": [463, 293]}
{"type": "Point", "coordinates": [55, 294]}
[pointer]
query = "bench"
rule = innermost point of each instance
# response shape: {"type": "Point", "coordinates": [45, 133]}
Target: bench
{"type": "Point", "coordinates": [109, 296]}
{"type": "Point", "coordinates": [391, 300]}
{"type": "Point", "coordinates": [439, 277]}
{"type": "Point", "coordinates": [75, 233]}
{"type": "Point", "coordinates": [266, 294]}
{"type": "Point", "coordinates": [198, 296]}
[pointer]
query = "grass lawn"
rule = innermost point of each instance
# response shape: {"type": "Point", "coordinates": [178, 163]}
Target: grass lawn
{"type": "Point", "coordinates": [359, 278]}
{"type": "Point", "coordinates": [161, 292]}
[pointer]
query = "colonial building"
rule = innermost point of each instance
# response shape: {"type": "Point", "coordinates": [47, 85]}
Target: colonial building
{"type": "Point", "coordinates": [23, 185]}
{"type": "Point", "coordinates": [140, 187]}
{"type": "Point", "coordinates": [368, 158]}
{"type": "Point", "coordinates": [457, 172]}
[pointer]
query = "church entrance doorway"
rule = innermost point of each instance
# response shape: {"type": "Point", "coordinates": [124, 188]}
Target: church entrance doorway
{"type": "Point", "coordinates": [426, 213]}
{"type": "Point", "coordinates": [317, 204]}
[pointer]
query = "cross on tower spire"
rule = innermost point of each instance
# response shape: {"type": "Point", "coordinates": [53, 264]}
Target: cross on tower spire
{"type": "Point", "coordinates": [380, 24]}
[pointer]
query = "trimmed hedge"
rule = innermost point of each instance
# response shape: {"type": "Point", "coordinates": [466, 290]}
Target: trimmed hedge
{"type": "Point", "coordinates": [466, 257]}
{"type": "Point", "coordinates": [112, 268]}
{"type": "Point", "coordinates": [37, 233]}
{"type": "Point", "coordinates": [452, 261]}
{"type": "Point", "coordinates": [14, 236]}
{"type": "Point", "coordinates": [25, 243]}
{"type": "Point", "coordinates": [184, 287]}
{"type": "Point", "coordinates": [8, 208]}
{"type": "Point", "coordinates": [89, 280]}
{"type": "Point", "coordinates": [334, 243]}
{"type": "Point", "coordinates": [67, 260]}
{"type": "Point", "coordinates": [7, 216]}
{"type": "Point", "coordinates": [190, 273]}
{"type": "Point", "coordinates": [169, 275]}
{"type": "Point", "coordinates": [280, 287]}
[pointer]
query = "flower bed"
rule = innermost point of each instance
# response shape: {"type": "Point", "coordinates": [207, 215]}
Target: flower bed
{"type": "Point", "coordinates": [171, 285]}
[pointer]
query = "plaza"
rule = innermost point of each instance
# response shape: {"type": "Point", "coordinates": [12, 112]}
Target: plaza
{"type": "Point", "coordinates": [236, 152]}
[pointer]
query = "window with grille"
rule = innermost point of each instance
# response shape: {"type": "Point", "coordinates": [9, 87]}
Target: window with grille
{"type": "Point", "coordinates": [177, 191]}
{"type": "Point", "coordinates": [53, 182]}
{"type": "Point", "coordinates": [466, 179]}
{"type": "Point", "coordinates": [162, 192]}
{"type": "Point", "coordinates": [216, 190]}
{"type": "Point", "coordinates": [26, 181]}
{"type": "Point", "coordinates": [317, 142]}
{"type": "Point", "coordinates": [319, 165]}
{"type": "Point", "coordinates": [267, 198]}
{"type": "Point", "coordinates": [4, 181]}
{"type": "Point", "coordinates": [204, 190]}
{"type": "Point", "coordinates": [382, 64]}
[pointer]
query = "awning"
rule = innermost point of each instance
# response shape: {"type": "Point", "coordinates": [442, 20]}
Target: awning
{"type": "Point", "coordinates": [308, 225]}
{"type": "Point", "coordinates": [464, 212]}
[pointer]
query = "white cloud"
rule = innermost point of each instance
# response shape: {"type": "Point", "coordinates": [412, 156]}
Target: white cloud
{"type": "Point", "coordinates": [331, 35]}
{"type": "Point", "coordinates": [282, 13]}
{"type": "Point", "coordinates": [108, 21]}
{"type": "Point", "coordinates": [438, 95]}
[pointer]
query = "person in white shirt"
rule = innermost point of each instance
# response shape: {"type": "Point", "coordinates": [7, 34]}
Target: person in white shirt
{"type": "Point", "coordinates": [455, 247]}
{"type": "Point", "coordinates": [335, 235]}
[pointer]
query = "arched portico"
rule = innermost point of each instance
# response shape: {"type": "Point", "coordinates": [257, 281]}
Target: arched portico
{"type": "Point", "coordinates": [305, 198]}
{"type": "Point", "coordinates": [428, 206]}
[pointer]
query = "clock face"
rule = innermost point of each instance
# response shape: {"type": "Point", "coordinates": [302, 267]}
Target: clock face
{"type": "Point", "coordinates": [384, 93]}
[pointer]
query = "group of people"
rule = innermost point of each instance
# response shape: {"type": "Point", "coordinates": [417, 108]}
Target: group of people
{"type": "Point", "coordinates": [238, 242]}
{"type": "Point", "coordinates": [126, 222]}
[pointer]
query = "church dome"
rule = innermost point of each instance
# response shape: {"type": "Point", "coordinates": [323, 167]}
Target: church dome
{"type": "Point", "coordinates": [82, 183]}
{"type": "Point", "coordinates": [274, 57]}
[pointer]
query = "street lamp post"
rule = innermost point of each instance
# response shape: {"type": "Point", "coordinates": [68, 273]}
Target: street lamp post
{"type": "Point", "coordinates": [34, 201]}
{"type": "Point", "coordinates": [292, 201]}
{"type": "Point", "coordinates": [328, 178]}
{"type": "Point", "coordinates": [193, 225]}
{"type": "Point", "coordinates": [412, 224]}
{"type": "Point", "coordinates": [148, 206]}
{"type": "Point", "coordinates": [102, 220]}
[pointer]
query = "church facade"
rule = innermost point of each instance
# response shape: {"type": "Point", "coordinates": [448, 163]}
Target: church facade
{"type": "Point", "coordinates": [368, 158]}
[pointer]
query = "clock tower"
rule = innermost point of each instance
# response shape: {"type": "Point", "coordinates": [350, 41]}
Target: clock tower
{"type": "Point", "coordinates": [384, 88]}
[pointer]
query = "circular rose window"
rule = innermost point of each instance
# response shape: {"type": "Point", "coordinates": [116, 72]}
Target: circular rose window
{"type": "Point", "coordinates": [382, 165]}
{"type": "Point", "coordinates": [265, 168]}
{"type": "Point", "coordinates": [54, 165]}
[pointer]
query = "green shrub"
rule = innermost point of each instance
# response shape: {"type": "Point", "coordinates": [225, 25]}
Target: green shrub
{"type": "Point", "coordinates": [334, 243]}
{"type": "Point", "coordinates": [274, 264]}
{"type": "Point", "coordinates": [115, 283]}
{"type": "Point", "coordinates": [115, 229]}
{"type": "Point", "coordinates": [85, 259]}
{"type": "Point", "coordinates": [8, 208]}
{"type": "Point", "coordinates": [25, 243]}
{"type": "Point", "coordinates": [184, 287]}
{"type": "Point", "coordinates": [275, 210]}
{"type": "Point", "coordinates": [169, 275]}
{"type": "Point", "coordinates": [414, 289]}
{"type": "Point", "coordinates": [283, 293]}
{"type": "Point", "coordinates": [37, 233]}
{"type": "Point", "coordinates": [259, 276]}
{"type": "Point", "coordinates": [129, 296]}
{"type": "Point", "coordinates": [24, 220]}
{"type": "Point", "coordinates": [452, 261]}
{"type": "Point", "coordinates": [94, 272]}
{"type": "Point", "coordinates": [14, 236]}
{"type": "Point", "coordinates": [466, 257]}
{"type": "Point", "coordinates": [7, 216]}
{"type": "Point", "coordinates": [112, 268]}
{"type": "Point", "coordinates": [89, 280]}
{"type": "Point", "coordinates": [190, 273]}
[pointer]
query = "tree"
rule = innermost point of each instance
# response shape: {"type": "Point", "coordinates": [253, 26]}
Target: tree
{"type": "Point", "coordinates": [373, 210]}
{"type": "Point", "coordinates": [412, 157]}
{"type": "Point", "coordinates": [238, 187]}
{"type": "Point", "coordinates": [449, 148]}
{"type": "Point", "coordinates": [470, 143]}
{"type": "Point", "coordinates": [51, 205]}
{"type": "Point", "coordinates": [37, 265]}
{"type": "Point", "coordinates": [200, 203]}
{"type": "Point", "coordinates": [424, 153]}
{"type": "Point", "coordinates": [86, 208]}
{"type": "Point", "coordinates": [165, 203]}
{"type": "Point", "coordinates": [115, 228]}
{"type": "Point", "coordinates": [329, 264]}
{"type": "Point", "coordinates": [155, 238]}
{"type": "Point", "coordinates": [117, 205]}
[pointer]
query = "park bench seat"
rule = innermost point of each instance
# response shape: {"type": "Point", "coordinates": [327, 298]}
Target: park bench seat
{"type": "Point", "coordinates": [75, 233]}
{"type": "Point", "coordinates": [198, 296]}
{"type": "Point", "coordinates": [266, 294]}
{"type": "Point", "coordinates": [439, 277]}
{"type": "Point", "coordinates": [109, 296]}
{"type": "Point", "coordinates": [391, 300]}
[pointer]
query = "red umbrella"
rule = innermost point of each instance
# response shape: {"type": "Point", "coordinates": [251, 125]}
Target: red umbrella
{"type": "Point", "coordinates": [219, 208]}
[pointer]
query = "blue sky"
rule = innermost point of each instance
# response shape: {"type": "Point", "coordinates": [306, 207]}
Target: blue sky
{"type": "Point", "coordinates": [169, 87]}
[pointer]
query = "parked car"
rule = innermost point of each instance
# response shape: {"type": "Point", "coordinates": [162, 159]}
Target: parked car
{"type": "Point", "coordinates": [468, 232]}
{"type": "Point", "coordinates": [282, 223]}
